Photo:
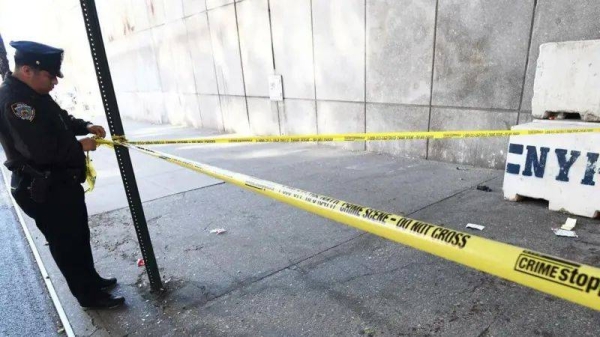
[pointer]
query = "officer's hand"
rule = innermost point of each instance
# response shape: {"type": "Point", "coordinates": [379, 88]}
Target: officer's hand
{"type": "Point", "coordinates": [97, 130]}
{"type": "Point", "coordinates": [88, 144]}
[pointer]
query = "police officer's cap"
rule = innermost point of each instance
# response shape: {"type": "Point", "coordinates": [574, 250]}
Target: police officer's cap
{"type": "Point", "coordinates": [39, 56]}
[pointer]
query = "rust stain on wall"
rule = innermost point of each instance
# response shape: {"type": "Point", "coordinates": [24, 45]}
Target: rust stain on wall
{"type": "Point", "coordinates": [127, 27]}
{"type": "Point", "coordinates": [151, 4]}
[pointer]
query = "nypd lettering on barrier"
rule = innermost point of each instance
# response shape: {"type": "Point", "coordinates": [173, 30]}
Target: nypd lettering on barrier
{"type": "Point", "coordinates": [536, 160]}
{"type": "Point", "coordinates": [590, 169]}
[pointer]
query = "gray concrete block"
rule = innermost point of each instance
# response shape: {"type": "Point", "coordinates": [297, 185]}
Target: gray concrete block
{"type": "Point", "coordinates": [298, 117]}
{"type": "Point", "coordinates": [525, 117]}
{"type": "Point", "coordinates": [396, 118]}
{"type": "Point", "coordinates": [293, 46]}
{"type": "Point", "coordinates": [263, 115]}
{"type": "Point", "coordinates": [557, 21]}
{"type": "Point", "coordinates": [235, 114]}
{"type": "Point", "coordinates": [341, 117]}
{"type": "Point", "coordinates": [567, 81]}
{"type": "Point", "coordinates": [210, 4]}
{"type": "Point", "coordinates": [339, 40]}
{"type": "Point", "coordinates": [255, 45]}
{"type": "Point", "coordinates": [565, 188]}
{"type": "Point", "coordinates": [480, 54]}
{"type": "Point", "coordinates": [226, 51]}
{"type": "Point", "coordinates": [191, 7]}
{"type": "Point", "coordinates": [399, 63]}
{"type": "Point", "coordinates": [482, 152]}
{"type": "Point", "coordinates": [200, 48]}
{"type": "Point", "coordinates": [210, 110]}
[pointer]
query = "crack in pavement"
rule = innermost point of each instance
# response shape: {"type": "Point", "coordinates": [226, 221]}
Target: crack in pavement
{"type": "Point", "coordinates": [159, 198]}
{"type": "Point", "coordinates": [452, 196]}
{"type": "Point", "coordinates": [382, 272]}
{"type": "Point", "coordinates": [243, 284]}
{"type": "Point", "coordinates": [223, 270]}
{"type": "Point", "coordinates": [487, 328]}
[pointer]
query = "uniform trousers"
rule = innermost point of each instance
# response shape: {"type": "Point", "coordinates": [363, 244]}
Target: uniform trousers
{"type": "Point", "coordinates": [63, 220]}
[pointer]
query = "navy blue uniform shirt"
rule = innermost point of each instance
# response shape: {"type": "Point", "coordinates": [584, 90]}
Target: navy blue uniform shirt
{"type": "Point", "coordinates": [35, 130]}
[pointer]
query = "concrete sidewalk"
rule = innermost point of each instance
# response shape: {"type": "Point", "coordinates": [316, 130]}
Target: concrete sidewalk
{"type": "Point", "coordinates": [26, 307]}
{"type": "Point", "coordinates": [279, 271]}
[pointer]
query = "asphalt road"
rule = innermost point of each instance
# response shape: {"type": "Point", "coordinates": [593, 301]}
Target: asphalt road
{"type": "Point", "coordinates": [25, 306]}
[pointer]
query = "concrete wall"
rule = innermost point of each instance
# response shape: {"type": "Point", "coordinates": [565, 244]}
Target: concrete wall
{"type": "Point", "coordinates": [347, 65]}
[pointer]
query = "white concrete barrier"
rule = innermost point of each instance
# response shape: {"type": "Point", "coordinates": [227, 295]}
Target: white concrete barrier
{"type": "Point", "coordinates": [562, 169]}
{"type": "Point", "coordinates": [567, 80]}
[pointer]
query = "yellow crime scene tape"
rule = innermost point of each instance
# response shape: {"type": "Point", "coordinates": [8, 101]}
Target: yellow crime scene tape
{"type": "Point", "coordinates": [354, 137]}
{"type": "Point", "coordinates": [569, 280]}
{"type": "Point", "coordinates": [90, 173]}
{"type": "Point", "coordinates": [337, 137]}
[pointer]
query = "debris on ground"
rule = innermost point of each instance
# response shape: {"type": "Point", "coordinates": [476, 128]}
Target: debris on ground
{"type": "Point", "coordinates": [141, 262]}
{"type": "Point", "coordinates": [60, 331]}
{"type": "Point", "coordinates": [367, 332]}
{"type": "Point", "coordinates": [218, 231]}
{"type": "Point", "coordinates": [474, 226]}
{"type": "Point", "coordinates": [484, 188]}
{"type": "Point", "coordinates": [565, 233]}
{"type": "Point", "coordinates": [569, 224]}
{"type": "Point", "coordinates": [462, 168]}
{"type": "Point", "coordinates": [566, 229]}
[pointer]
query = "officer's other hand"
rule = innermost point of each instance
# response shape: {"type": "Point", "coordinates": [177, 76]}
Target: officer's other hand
{"type": "Point", "coordinates": [97, 130]}
{"type": "Point", "coordinates": [88, 144]}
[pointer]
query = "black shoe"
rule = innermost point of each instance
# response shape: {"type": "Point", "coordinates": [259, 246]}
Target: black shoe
{"type": "Point", "coordinates": [103, 301]}
{"type": "Point", "coordinates": [106, 283]}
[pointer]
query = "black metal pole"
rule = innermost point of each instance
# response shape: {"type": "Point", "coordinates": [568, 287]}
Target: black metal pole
{"type": "Point", "coordinates": [109, 99]}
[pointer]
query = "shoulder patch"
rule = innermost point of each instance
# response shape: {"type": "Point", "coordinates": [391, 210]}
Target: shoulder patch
{"type": "Point", "coordinates": [23, 111]}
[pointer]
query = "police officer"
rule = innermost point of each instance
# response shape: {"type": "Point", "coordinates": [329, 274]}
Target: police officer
{"type": "Point", "coordinates": [48, 167]}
